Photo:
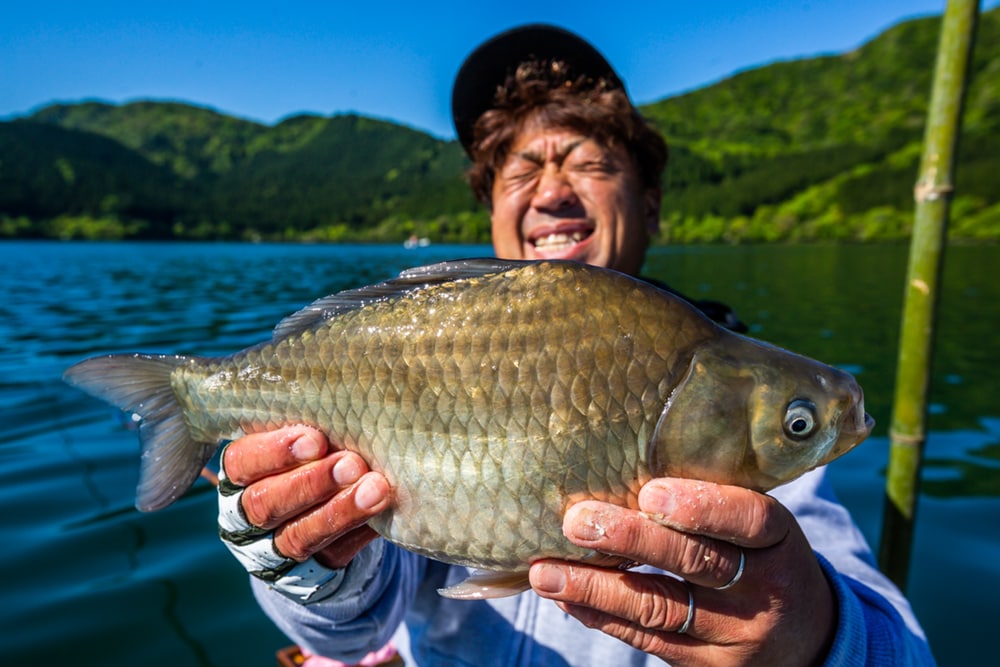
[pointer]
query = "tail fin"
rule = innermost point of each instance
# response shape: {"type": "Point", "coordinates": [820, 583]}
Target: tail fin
{"type": "Point", "coordinates": [140, 383]}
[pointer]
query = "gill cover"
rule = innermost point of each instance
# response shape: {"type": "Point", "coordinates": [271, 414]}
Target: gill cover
{"type": "Point", "coordinates": [703, 432]}
{"type": "Point", "coordinates": [751, 414]}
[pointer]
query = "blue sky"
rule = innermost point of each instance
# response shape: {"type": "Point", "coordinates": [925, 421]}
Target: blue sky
{"type": "Point", "coordinates": [269, 60]}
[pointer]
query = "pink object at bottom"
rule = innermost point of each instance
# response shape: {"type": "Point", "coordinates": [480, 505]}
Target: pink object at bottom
{"type": "Point", "coordinates": [383, 655]}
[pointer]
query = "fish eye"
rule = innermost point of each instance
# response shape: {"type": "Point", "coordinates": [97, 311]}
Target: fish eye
{"type": "Point", "coordinates": [800, 419]}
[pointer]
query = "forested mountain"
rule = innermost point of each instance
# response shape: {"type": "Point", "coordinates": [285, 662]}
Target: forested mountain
{"type": "Point", "coordinates": [811, 149]}
{"type": "Point", "coordinates": [176, 170]}
{"type": "Point", "coordinates": [829, 147]}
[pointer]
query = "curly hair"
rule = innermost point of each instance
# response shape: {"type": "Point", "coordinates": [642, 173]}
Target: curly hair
{"type": "Point", "coordinates": [548, 92]}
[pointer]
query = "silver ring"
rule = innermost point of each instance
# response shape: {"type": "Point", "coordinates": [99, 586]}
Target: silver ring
{"type": "Point", "coordinates": [687, 621]}
{"type": "Point", "coordinates": [739, 572]}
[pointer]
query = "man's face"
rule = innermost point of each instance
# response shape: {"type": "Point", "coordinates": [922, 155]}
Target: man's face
{"type": "Point", "coordinates": [563, 195]}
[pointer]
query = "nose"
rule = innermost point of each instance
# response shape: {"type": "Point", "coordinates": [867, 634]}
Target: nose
{"type": "Point", "coordinates": [554, 191]}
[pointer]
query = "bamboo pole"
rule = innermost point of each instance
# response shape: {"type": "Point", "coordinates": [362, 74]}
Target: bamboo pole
{"type": "Point", "coordinates": [933, 192]}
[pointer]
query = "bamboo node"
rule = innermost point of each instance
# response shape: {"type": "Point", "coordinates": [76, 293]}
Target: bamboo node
{"type": "Point", "coordinates": [905, 438]}
{"type": "Point", "coordinates": [925, 191]}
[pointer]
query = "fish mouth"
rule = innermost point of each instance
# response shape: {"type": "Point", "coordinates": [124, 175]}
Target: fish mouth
{"type": "Point", "coordinates": [561, 242]}
{"type": "Point", "coordinates": [863, 422]}
{"type": "Point", "coordinates": [869, 424]}
{"type": "Point", "coordinates": [856, 425]}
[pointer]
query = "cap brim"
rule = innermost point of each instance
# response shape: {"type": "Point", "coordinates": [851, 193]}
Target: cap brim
{"type": "Point", "coordinates": [488, 66]}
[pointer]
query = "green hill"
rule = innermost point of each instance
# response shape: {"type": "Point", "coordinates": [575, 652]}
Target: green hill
{"type": "Point", "coordinates": [221, 177]}
{"type": "Point", "coordinates": [814, 149]}
{"type": "Point", "coordinates": [829, 147]}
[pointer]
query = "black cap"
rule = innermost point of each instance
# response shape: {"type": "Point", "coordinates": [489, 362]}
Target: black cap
{"type": "Point", "coordinates": [488, 66]}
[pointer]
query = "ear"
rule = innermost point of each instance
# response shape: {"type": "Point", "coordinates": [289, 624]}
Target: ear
{"type": "Point", "coordinates": [651, 199]}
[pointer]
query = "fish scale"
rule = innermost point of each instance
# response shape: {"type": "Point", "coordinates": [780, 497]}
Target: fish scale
{"type": "Point", "coordinates": [492, 395]}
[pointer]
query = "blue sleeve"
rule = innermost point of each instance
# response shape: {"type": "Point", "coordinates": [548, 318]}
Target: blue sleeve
{"type": "Point", "coordinates": [361, 616]}
{"type": "Point", "coordinates": [869, 630]}
{"type": "Point", "coordinates": [876, 625]}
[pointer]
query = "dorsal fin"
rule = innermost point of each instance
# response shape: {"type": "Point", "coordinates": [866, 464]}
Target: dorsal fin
{"type": "Point", "coordinates": [406, 282]}
{"type": "Point", "coordinates": [458, 269]}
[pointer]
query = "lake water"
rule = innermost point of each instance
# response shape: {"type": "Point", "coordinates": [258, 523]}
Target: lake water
{"type": "Point", "coordinates": [89, 580]}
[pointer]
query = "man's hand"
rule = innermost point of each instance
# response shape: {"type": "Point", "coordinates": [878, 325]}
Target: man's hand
{"type": "Point", "coordinates": [780, 611]}
{"type": "Point", "coordinates": [315, 501]}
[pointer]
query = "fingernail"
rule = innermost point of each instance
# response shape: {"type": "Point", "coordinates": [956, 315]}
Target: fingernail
{"type": "Point", "coordinates": [548, 578]}
{"type": "Point", "coordinates": [305, 448]}
{"type": "Point", "coordinates": [585, 524]}
{"type": "Point", "coordinates": [658, 498]}
{"type": "Point", "coordinates": [346, 471]}
{"type": "Point", "coordinates": [368, 494]}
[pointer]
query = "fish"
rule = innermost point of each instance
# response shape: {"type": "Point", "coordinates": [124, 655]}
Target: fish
{"type": "Point", "coordinates": [493, 394]}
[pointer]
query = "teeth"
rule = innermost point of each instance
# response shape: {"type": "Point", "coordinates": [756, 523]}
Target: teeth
{"type": "Point", "coordinates": [557, 241]}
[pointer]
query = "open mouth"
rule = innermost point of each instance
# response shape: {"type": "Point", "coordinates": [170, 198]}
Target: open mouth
{"type": "Point", "coordinates": [560, 241]}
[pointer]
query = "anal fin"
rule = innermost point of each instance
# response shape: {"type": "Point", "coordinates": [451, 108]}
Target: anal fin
{"type": "Point", "coordinates": [485, 585]}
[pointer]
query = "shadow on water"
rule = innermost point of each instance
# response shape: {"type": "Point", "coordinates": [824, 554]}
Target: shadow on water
{"type": "Point", "coordinates": [116, 586]}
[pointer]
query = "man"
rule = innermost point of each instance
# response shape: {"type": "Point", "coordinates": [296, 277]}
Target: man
{"type": "Point", "coordinates": [569, 170]}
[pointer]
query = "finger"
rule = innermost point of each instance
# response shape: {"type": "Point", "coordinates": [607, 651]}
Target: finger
{"type": "Point", "coordinates": [275, 499]}
{"type": "Point", "coordinates": [636, 537]}
{"type": "Point", "coordinates": [318, 528]}
{"type": "Point", "coordinates": [260, 455]}
{"type": "Point", "coordinates": [643, 610]}
{"type": "Point", "coordinates": [669, 646]}
{"type": "Point", "coordinates": [656, 603]}
{"type": "Point", "coordinates": [729, 513]}
{"type": "Point", "coordinates": [346, 548]}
